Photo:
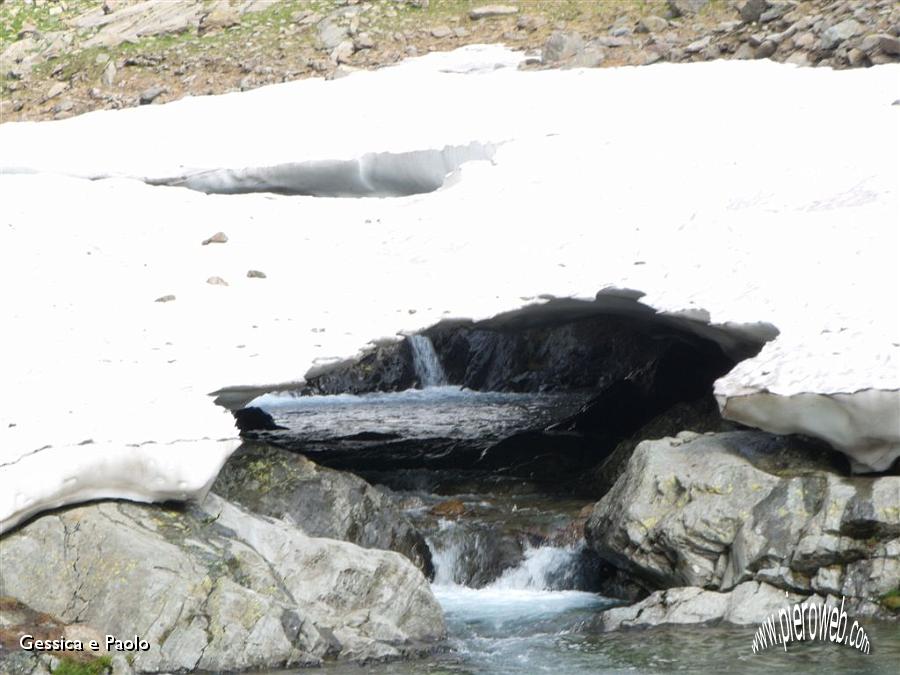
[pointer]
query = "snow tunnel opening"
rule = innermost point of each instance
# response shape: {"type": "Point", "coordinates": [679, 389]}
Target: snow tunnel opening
{"type": "Point", "coordinates": [636, 371]}
{"type": "Point", "coordinates": [374, 174]}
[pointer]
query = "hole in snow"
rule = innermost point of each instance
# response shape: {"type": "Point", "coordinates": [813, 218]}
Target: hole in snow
{"type": "Point", "coordinates": [375, 174]}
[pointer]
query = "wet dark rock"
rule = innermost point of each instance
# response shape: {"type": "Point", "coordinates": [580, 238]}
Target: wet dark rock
{"type": "Point", "coordinates": [700, 415]}
{"type": "Point", "coordinates": [320, 501]}
{"type": "Point", "coordinates": [254, 419]}
{"type": "Point", "coordinates": [386, 368]}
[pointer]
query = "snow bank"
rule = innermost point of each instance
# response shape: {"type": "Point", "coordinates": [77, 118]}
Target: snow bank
{"type": "Point", "coordinates": [735, 193]}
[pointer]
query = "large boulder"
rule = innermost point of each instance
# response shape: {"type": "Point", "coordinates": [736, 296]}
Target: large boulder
{"type": "Point", "coordinates": [215, 588]}
{"type": "Point", "coordinates": [320, 501]}
{"type": "Point", "coordinates": [717, 511]}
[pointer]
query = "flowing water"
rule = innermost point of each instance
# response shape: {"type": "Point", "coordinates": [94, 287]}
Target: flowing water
{"type": "Point", "coordinates": [516, 598]}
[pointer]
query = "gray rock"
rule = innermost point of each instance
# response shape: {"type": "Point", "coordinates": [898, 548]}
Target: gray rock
{"type": "Point", "coordinates": [255, 274]}
{"type": "Point", "coordinates": [363, 41]}
{"type": "Point", "coordinates": [856, 57]}
{"type": "Point", "coordinates": [55, 90]}
{"type": "Point", "coordinates": [652, 24]}
{"type": "Point", "coordinates": [109, 74]}
{"type": "Point", "coordinates": [330, 35]}
{"type": "Point", "coordinates": [698, 45]}
{"type": "Point", "coordinates": [889, 44]}
{"type": "Point", "coordinates": [749, 603]}
{"type": "Point", "coordinates": [751, 10]}
{"type": "Point", "coordinates": [745, 51]}
{"type": "Point", "coordinates": [721, 510]}
{"type": "Point", "coordinates": [151, 94]}
{"type": "Point", "coordinates": [214, 588]}
{"type": "Point", "coordinates": [805, 40]}
{"type": "Point", "coordinates": [561, 46]}
{"type": "Point", "coordinates": [765, 50]}
{"type": "Point", "coordinates": [220, 15]}
{"type": "Point", "coordinates": [488, 11]}
{"type": "Point", "coordinates": [217, 238]}
{"type": "Point", "coordinates": [320, 501]}
{"type": "Point", "coordinates": [776, 11]}
{"type": "Point", "coordinates": [216, 281]}
{"type": "Point", "coordinates": [530, 23]}
{"type": "Point", "coordinates": [441, 32]}
{"type": "Point", "coordinates": [835, 35]}
{"type": "Point", "coordinates": [165, 298]}
{"type": "Point", "coordinates": [686, 7]}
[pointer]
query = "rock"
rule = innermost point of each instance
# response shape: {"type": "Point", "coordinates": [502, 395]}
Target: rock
{"type": "Point", "coordinates": [856, 57]}
{"type": "Point", "coordinates": [488, 11]}
{"type": "Point", "coordinates": [460, 32]}
{"type": "Point", "coordinates": [751, 10]}
{"type": "Point", "coordinates": [652, 24]}
{"type": "Point", "coordinates": [805, 40]}
{"type": "Point", "coordinates": [798, 59]}
{"type": "Point", "coordinates": [343, 52]}
{"type": "Point", "coordinates": [134, 21]}
{"type": "Point", "coordinates": [221, 15]}
{"type": "Point", "coordinates": [27, 30]}
{"type": "Point", "coordinates": [55, 90]}
{"type": "Point", "coordinates": [322, 502]}
{"type": "Point", "coordinates": [330, 35]}
{"type": "Point", "coordinates": [255, 274]}
{"type": "Point", "coordinates": [686, 7]}
{"type": "Point", "coordinates": [254, 419]}
{"type": "Point", "coordinates": [363, 41]}
{"type": "Point", "coordinates": [530, 22]}
{"type": "Point", "coordinates": [63, 106]}
{"type": "Point", "coordinates": [745, 51]}
{"type": "Point", "coordinates": [840, 32]}
{"type": "Point", "coordinates": [590, 57]}
{"type": "Point", "coordinates": [109, 74]}
{"type": "Point", "coordinates": [765, 50]}
{"type": "Point", "coordinates": [698, 45]}
{"type": "Point", "coordinates": [151, 94]}
{"type": "Point", "coordinates": [217, 238]}
{"type": "Point", "coordinates": [889, 44]}
{"type": "Point", "coordinates": [165, 298]}
{"type": "Point", "coordinates": [441, 32]}
{"type": "Point", "coordinates": [213, 587]}
{"type": "Point", "coordinates": [561, 46]}
{"type": "Point", "coordinates": [775, 11]}
{"type": "Point", "coordinates": [720, 510]}
{"type": "Point", "coordinates": [749, 603]}
{"type": "Point", "coordinates": [216, 281]}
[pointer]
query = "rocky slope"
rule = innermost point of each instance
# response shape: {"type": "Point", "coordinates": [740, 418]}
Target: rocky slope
{"type": "Point", "coordinates": [64, 58]}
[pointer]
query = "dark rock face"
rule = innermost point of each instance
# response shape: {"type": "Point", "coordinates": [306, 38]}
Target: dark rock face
{"type": "Point", "coordinates": [254, 419]}
{"type": "Point", "coordinates": [321, 502]}
{"type": "Point", "coordinates": [386, 368]}
{"type": "Point", "coordinates": [637, 365]}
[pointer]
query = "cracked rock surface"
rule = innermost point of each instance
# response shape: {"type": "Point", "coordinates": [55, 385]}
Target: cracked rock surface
{"type": "Point", "coordinates": [215, 588]}
{"type": "Point", "coordinates": [716, 512]}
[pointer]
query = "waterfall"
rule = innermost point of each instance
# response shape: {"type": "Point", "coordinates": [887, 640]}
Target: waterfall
{"type": "Point", "coordinates": [425, 360]}
{"type": "Point", "coordinates": [544, 568]}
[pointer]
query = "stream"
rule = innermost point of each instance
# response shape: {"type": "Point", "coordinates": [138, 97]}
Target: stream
{"type": "Point", "coordinates": [517, 585]}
